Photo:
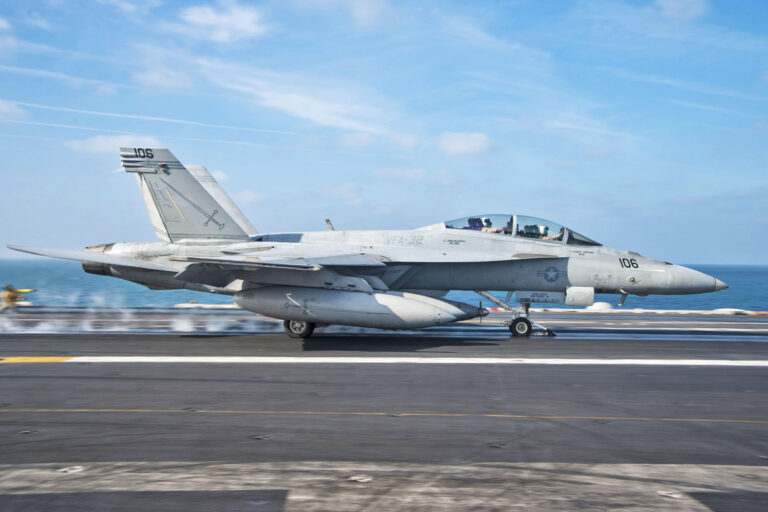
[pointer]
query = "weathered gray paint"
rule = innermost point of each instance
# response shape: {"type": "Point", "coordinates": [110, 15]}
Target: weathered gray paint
{"type": "Point", "coordinates": [349, 275]}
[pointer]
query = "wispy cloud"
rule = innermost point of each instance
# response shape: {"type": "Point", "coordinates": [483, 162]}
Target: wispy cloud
{"type": "Point", "coordinates": [64, 126]}
{"type": "Point", "coordinates": [469, 32]}
{"type": "Point", "coordinates": [144, 118]}
{"type": "Point", "coordinates": [404, 140]}
{"type": "Point", "coordinates": [365, 13]}
{"type": "Point", "coordinates": [132, 6]}
{"type": "Point", "coordinates": [681, 10]}
{"type": "Point", "coordinates": [4, 25]}
{"type": "Point", "coordinates": [598, 152]}
{"type": "Point", "coordinates": [157, 74]}
{"type": "Point", "coordinates": [224, 22]}
{"type": "Point", "coordinates": [110, 143]}
{"type": "Point", "coordinates": [291, 148]}
{"type": "Point", "coordinates": [670, 21]}
{"type": "Point", "coordinates": [125, 132]}
{"type": "Point", "coordinates": [10, 111]}
{"type": "Point", "coordinates": [463, 143]}
{"type": "Point", "coordinates": [61, 77]}
{"type": "Point", "coordinates": [417, 174]}
{"type": "Point", "coordinates": [300, 103]}
{"type": "Point", "coordinates": [472, 34]}
{"type": "Point", "coordinates": [357, 140]}
{"type": "Point", "coordinates": [298, 96]}
{"type": "Point", "coordinates": [576, 125]}
{"type": "Point", "coordinates": [349, 193]}
{"type": "Point", "coordinates": [364, 139]}
{"type": "Point", "coordinates": [563, 164]}
{"type": "Point", "coordinates": [33, 18]}
{"type": "Point", "coordinates": [528, 62]}
{"type": "Point", "coordinates": [322, 102]}
{"type": "Point", "coordinates": [10, 44]}
{"type": "Point", "coordinates": [697, 87]}
{"type": "Point", "coordinates": [587, 126]}
{"type": "Point", "coordinates": [544, 105]}
{"type": "Point", "coordinates": [249, 197]}
{"type": "Point", "coordinates": [709, 108]}
{"type": "Point", "coordinates": [413, 174]}
{"type": "Point", "coordinates": [220, 176]}
{"type": "Point", "coordinates": [31, 137]}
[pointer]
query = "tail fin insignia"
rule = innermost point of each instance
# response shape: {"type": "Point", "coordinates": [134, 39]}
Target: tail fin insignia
{"type": "Point", "coordinates": [179, 206]}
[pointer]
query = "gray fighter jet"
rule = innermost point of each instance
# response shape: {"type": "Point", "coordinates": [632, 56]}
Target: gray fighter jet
{"type": "Point", "coordinates": [381, 279]}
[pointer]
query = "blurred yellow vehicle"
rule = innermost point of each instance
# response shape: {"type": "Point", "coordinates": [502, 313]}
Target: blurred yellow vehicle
{"type": "Point", "coordinates": [10, 296]}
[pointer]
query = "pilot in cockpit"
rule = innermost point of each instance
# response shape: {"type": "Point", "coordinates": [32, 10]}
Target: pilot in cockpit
{"type": "Point", "coordinates": [556, 236]}
{"type": "Point", "coordinates": [488, 226]}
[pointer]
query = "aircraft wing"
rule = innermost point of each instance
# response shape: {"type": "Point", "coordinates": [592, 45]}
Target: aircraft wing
{"type": "Point", "coordinates": [312, 265]}
{"type": "Point", "coordinates": [284, 262]}
{"type": "Point", "coordinates": [348, 255]}
{"type": "Point", "coordinates": [231, 263]}
{"type": "Point", "coordinates": [316, 265]}
{"type": "Point", "coordinates": [416, 255]}
{"type": "Point", "coordinates": [95, 257]}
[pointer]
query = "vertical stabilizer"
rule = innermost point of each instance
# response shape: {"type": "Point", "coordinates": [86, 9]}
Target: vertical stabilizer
{"type": "Point", "coordinates": [179, 206]}
{"type": "Point", "coordinates": [211, 186]}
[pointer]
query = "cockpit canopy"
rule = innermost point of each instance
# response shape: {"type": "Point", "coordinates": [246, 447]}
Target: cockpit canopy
{"type": "Point", "coordinates": [520, 226]}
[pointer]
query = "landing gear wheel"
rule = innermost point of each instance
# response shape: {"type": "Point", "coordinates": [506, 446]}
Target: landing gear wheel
{"type": "Point", "coordinates": [520, 327]}
{"type": "Point", "coordinates": [298, 328]}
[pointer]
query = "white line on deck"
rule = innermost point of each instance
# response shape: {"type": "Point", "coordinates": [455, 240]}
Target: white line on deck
{"type": "Point", "coordinates": [386, 360]}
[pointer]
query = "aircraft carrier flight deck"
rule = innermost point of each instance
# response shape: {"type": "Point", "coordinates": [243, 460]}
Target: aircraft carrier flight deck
{"type": "Point", "coordinates": [219, 410]}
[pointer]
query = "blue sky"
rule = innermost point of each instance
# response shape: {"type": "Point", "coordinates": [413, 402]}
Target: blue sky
{"type": "Point", "coordinates": [641, 124]}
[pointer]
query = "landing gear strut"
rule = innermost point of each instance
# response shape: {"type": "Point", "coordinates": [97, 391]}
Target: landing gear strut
{"type": "Point", "coordinates": [298, 328]}
{"type": "Point", "coordinates": [520, 324]}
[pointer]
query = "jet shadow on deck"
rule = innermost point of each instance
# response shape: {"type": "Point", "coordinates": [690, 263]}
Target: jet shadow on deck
{"type": "Point", "coordinates": [363, 343]}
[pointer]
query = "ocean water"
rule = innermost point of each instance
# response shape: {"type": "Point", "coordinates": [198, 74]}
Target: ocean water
{"type": "Point", "coordinates": [63, 283]}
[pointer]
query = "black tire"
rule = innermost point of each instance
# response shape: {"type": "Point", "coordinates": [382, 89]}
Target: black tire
{"type": "Point", "coordinates": [298, 328]}
{"type": "Point", "coordinates": [520, 327]}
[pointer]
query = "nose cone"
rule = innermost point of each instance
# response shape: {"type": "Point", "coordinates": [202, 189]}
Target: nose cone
{"type": "Point", "coordinates": [684, 280]}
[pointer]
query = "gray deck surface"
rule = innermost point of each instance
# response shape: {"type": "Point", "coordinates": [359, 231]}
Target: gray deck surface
{"type": "Point", "coordinates": [343, 436]}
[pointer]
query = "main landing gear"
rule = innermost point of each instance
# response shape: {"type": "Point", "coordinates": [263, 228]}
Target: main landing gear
{"type": "Point", "coordinates": [298, 328]}
{"type": "Point", "coordinates": [520, 325]}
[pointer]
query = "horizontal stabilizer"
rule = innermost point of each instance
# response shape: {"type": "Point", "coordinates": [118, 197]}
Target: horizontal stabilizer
{"type": "Point", "coordinates": [94, 257]}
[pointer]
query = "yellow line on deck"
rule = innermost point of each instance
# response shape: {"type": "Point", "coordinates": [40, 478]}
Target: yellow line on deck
{"type": "Point", "coordinates": [34, 359]}
{"type": "Point", "coordinates": [394, 414]}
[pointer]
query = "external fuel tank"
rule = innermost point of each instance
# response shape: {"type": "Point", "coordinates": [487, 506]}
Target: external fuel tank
{"type": "Point", "coordinates": [383, 310]}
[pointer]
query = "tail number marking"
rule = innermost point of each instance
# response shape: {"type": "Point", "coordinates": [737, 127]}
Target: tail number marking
{"type": "Point", "coordinates": [628, 263]}
{"type": "Point", "coordinates": [143, 153]}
